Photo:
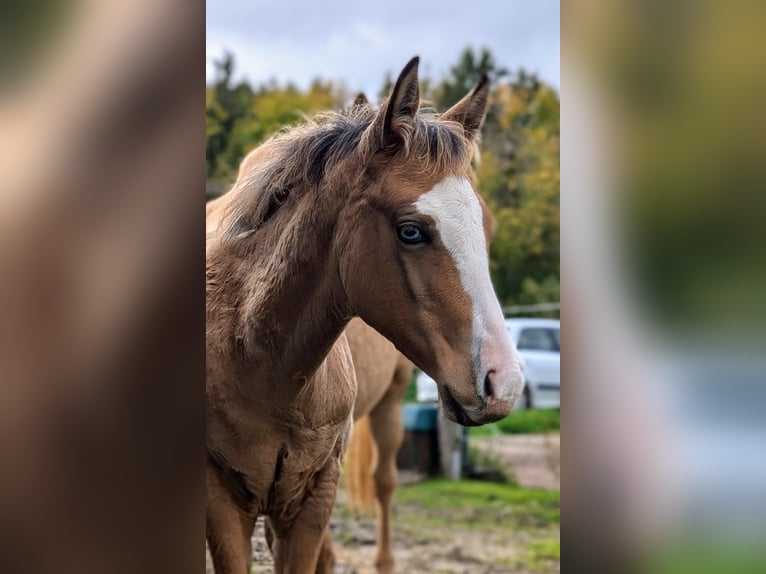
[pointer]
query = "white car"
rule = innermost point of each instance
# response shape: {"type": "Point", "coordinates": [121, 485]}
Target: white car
{"type": "Point", "coordinates": [538, 342]}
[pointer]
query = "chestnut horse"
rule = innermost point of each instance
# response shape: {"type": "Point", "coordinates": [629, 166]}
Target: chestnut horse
{"type": "Point", "coordinates": [364, 213]}
{"type": "Point", "coordinates": [383, 375]}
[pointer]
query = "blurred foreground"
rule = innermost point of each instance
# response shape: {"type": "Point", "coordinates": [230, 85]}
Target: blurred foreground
{"type": "Point", "coordinates": [663, 251]}
{"type": "Point", "coordinates": [101, 329]}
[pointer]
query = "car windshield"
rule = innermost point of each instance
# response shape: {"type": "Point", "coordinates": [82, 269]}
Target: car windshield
{"type": "Point", "coordinates": [539, 339]}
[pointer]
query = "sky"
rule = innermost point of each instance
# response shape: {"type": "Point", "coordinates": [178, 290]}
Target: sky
{"type": "Point", "coordinates": [359, 41]}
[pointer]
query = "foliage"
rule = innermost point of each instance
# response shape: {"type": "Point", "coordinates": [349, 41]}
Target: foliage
{"type": "Point", "coordinates": [238, 118]}
{"type": "Point", "coordinates": [522, 422]}
{"type": "Point", "coordinates": [411, 394]}
{"type": "Point", "coordinates": [518, 171]}
{"type": "Point", "coordinates": [464, 76]}
{"type": "Point", "coordinates": [519, 176]}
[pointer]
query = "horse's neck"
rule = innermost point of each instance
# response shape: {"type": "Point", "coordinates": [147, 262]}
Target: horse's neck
{"type": "Point", "coordinates": [300, 307]}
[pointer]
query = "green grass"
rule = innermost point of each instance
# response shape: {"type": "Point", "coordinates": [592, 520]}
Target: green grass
{"type": "Point", "coordinates": [537, 505]}
{"type": "Point", "coordinates": [708, 556]}
{"type": "Point", "coordinates": [519, 526]}
{"type": "Point", "coordinates": [522, 422]}
{"type": "Point", "coordinates": [540, 556]}
{"type": "Point", "coordinates": [541, 551]}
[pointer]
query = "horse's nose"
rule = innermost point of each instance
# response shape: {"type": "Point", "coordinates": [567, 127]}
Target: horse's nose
{"type": "Point", "coordinates": [502, 383]}
{"type": "Point", "coordinates": [490, 382]}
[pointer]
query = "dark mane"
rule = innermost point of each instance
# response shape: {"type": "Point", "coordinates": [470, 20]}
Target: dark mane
{"type": "Point", "coordinates": [299, 158]}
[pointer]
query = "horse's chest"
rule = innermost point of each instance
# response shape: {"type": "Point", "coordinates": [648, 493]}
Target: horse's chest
{"type": "Point", "coordinates": [282, 437]}
{"type": "Point", "coordinates": [328, 397]}
{"type": "Point", "coordinates": [299, 456]}
{"type": "Point", "coordinates": [319, 405]}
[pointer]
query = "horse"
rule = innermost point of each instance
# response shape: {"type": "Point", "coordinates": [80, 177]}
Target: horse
{"type": "Point", "coordinates": [365, 213]}
{"type": "Point", "coordinates": [383, 375]}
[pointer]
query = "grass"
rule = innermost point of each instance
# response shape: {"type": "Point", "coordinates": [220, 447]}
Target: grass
{"type": "Point", "coordinates": [525, 504]}
{"type": "Point", "coordinates": [522, 422]}
{"type": "Point", "coordinates": [708, 556]}
{"type": "Point", "coordinates": [540, 552]}
{"type": "Point", "coordinates": [540, 556]}
{"type": "Point", "coordinates": [495, 525]}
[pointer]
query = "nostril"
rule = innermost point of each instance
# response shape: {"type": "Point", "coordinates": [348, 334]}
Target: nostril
{"type": "Point", "coordinates": [488, 390]}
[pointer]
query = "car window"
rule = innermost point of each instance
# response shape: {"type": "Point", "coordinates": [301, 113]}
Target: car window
{"type": "Point", "coordinates": [537, 340]}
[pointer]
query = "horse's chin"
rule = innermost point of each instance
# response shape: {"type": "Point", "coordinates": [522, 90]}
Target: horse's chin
{"type": "Point", "coordinates": [491, 411]}
{"type": "Point", "coordinates": [453, 410]}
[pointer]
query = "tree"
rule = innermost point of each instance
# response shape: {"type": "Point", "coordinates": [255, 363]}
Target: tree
{"type": "Point", "coordinates": [519, 176]}
{"type": "Point", "coordinates": [465, 75]}
{"type": "Point", "coordinates": [226, 104]}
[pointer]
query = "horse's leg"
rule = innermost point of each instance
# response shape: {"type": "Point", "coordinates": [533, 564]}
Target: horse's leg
{"type": "Point", "coordinates": [228, 530]}
{"type": "Point", "coordinates": [326, 562]}
{"type": "Point", "coordinates": [297, 545]}
{"type": "Point", "coordinates": [387, 430]}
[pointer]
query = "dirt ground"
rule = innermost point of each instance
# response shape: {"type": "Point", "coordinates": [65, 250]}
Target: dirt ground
{"type": "Point", "coordinates": [487, 539]}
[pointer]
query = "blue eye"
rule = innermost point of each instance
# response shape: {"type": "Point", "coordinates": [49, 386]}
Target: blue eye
{"type": "Point", "coordinates": [410, 233]}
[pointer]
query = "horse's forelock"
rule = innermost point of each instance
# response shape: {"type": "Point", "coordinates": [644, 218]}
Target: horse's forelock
{"type": "Point", "coordinates": [300, 158]}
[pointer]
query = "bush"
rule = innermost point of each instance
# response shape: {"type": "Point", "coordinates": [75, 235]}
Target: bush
{"type": "Point", "coordinates": [523, 422]}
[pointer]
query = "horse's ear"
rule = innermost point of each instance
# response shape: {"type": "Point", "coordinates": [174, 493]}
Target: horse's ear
{"type": "Point", "coordinates": [393, 124]}
{"type": "Point", "coordinates": [472, 109]}
{"type": "Point", "coordinates": [360, 100]}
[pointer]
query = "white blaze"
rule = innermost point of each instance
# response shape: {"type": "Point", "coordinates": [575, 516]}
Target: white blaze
{"type": "Point", "coordinates": [454, 207]}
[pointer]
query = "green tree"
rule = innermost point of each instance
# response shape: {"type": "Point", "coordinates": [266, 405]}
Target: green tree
{"type": "Point", "coordinates": [226, 104]}
{"type": "Point", "coordinates": [464, 75]}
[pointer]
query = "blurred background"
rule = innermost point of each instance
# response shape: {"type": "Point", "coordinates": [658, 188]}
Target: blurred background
{"type": "Point", "coordinates": [663, 253]}
{"type": "Point", "coordinates": [101, 335]}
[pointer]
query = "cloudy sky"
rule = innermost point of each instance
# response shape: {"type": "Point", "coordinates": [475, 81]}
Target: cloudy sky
{"type": "Point", "coordinates": [359, 41]}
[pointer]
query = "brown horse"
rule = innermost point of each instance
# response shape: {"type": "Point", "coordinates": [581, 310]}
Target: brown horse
{"type": "Point", "coordinates": [383, 375]}
{"type": "Point", "coordinates": [364, 213]}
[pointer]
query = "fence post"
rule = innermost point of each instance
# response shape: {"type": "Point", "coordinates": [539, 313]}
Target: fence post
{"type": "Point", "coordinates": [451, 446]}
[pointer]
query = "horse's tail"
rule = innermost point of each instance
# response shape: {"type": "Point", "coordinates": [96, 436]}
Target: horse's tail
{"type": "Point", "coordinates": [360, 460]}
